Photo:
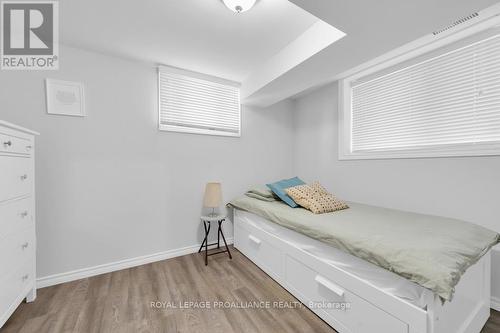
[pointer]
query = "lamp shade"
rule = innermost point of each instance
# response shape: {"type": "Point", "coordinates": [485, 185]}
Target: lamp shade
{"type": "Point", "coordinates": [213, 195]}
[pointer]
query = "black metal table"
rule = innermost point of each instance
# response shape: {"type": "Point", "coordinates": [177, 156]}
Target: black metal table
{"type": "Point", "coordinates": [207, 220]}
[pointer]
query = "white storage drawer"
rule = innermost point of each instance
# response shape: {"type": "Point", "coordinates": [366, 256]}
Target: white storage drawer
{"type": "Point", "coordinates": [252, 243]}
{"type": "Point", "coordinates": [329, 297]}
{"type": "Point", "coordinates": [16, 215]}
{"type": "Point", "coordinates": [12, 144]}
{"type": "Point", "coordinates": [16, 249]}
{"type": "Point", "coordinates": [15, 285]}
{"type": "Point", "coordinates": [16, 177]}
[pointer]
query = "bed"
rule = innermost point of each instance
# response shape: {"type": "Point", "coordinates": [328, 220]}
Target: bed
{"type": "Point", "coordinates": [350, 293]}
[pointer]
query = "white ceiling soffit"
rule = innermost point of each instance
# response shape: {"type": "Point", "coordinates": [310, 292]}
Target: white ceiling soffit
{"type": "Point", "coordinates": [310, 42]}
{"type": "Point", "coordinates": [372, 28]}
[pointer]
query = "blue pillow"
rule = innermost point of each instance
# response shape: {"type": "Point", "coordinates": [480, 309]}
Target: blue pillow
{"type": "Point", "coordinates": [278, 188]}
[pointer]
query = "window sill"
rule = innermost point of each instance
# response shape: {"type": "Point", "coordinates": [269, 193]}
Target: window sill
{"type": "Point", "coordinates": [474, 150]}
{"type": "Point", "coordinates": [189, 130]}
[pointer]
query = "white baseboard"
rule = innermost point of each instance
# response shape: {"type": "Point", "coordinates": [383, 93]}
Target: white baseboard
{"type": "Point", "coordinates": [83, 273]}
{"type": "Point", "coordinates": [495, 303]}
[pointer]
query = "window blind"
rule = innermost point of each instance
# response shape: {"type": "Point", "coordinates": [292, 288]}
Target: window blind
{"type": "Point", "coordinates": [449, 100]}
{"type": "Point", "coordinates": [196, 105]}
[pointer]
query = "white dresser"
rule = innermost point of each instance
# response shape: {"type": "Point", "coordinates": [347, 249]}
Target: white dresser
{"type": "Point", "coordinates": [17, 218]}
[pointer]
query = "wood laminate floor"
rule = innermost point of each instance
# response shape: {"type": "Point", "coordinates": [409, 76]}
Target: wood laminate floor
{"type": "Point", "coordinates": [121, 301]}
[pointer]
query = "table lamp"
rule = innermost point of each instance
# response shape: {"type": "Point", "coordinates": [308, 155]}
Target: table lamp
{"type": "Point", "coordinates": [213, 196]}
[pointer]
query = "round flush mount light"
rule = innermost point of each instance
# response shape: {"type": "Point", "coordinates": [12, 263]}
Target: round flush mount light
{"type": "Point", "coordinates": [239, 6]}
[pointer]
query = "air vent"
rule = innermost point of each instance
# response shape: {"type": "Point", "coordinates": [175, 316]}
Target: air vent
{"type": "Point", "coordinates": [454, 24]}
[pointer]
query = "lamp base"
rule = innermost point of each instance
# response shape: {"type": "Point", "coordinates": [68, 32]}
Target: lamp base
{"type": "Point", "coordinates": [212, 214]}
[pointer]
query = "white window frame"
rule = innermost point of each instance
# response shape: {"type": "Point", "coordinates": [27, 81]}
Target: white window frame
{"type": "Point", "coordinates": [410, 51]}
{"type": "Point", "coordinates": [192, 130]}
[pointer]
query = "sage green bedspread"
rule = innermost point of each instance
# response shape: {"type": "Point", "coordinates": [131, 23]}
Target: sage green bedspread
{"type": "Point", "coordinates": [429, 250]}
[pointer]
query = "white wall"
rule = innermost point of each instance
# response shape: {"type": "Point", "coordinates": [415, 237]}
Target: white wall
{"type": "Point", "coordinates": [110, 186]}
{"type": "Point", "coordinates": [463, 188]}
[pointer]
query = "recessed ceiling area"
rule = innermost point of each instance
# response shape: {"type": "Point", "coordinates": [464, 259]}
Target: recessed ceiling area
{"type": "Point", "coordinates": [276, 50]}
{"type": "Point", "coordinates": [199, 35]}
{"type": "Point", "coordinates": [253, 48]}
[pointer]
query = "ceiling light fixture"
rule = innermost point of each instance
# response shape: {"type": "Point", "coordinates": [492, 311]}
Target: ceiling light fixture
{"type": "Point", "coordinates": [239, 6]}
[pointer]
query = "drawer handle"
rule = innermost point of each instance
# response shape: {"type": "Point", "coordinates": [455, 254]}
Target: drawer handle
{"type": "Point", "coordinates": [24, 177]}
{"type": "Point", "coordinates": [254, 239]}
{"type": "Point", "coordinates": [24, 214]}
{"type": "Point", "coordinates": [329, 285]}
{"type": "Point", "coordinates": [25, 277]}
{"type": "Point", "coordinates": [25, 245]}
{"type": "Point", "coordinates": [28, 148]}
{"type": "Point", "coordinates": [7, 143]}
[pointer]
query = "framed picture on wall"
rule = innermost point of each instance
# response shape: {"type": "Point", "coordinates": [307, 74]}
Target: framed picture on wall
{"type": "Point", "coordinates": [65, 98]}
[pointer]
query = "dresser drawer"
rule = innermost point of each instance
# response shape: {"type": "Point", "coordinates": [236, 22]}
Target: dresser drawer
{"type": "Point", "coordinates": [12, 144]}
{"type": "Point", "coordinates": [15, 284]}
{"type": "Point", "coordinates": [344, 310]}
{"type": "Point", "coordinates": [16, 177]}
{"type": "Point", "coordinates": [252, 242]}
{"type": "Point", "coordinates": [16, 215]}
{"type": "Point", "coordinates": [16, 249]}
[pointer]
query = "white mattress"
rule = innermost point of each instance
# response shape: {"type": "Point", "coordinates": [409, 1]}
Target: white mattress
{"type": "Point", "coordinates": [379, 277]}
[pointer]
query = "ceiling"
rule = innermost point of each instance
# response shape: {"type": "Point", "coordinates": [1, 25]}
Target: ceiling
{"type": "Point", "coordinates": [276, 50]}
{"type": "Point", "coordinates": [199, 35]}
{"type": "Point", "coordinates": [373, 28]}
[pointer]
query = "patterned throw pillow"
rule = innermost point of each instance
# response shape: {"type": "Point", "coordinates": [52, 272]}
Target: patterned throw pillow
{"type": "Point", "coordinates": [315, 198]}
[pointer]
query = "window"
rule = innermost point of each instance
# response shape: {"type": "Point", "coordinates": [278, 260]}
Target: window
{"type": "Point", "coordinates": [437, 104]}
{"type": "Point", "coordinates": [196, 103]}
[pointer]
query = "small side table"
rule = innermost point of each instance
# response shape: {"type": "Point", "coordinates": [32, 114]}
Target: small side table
{"type": "Point", "coordinates": [207, 220]}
